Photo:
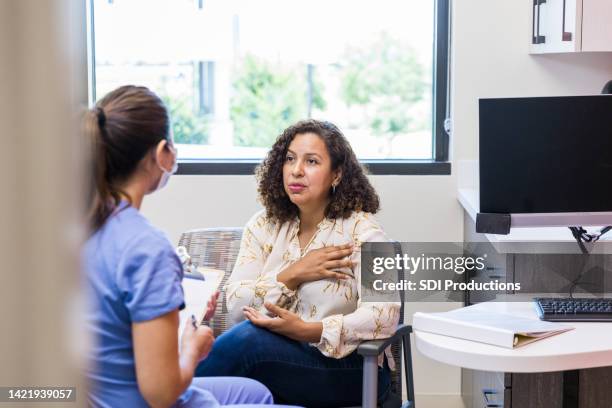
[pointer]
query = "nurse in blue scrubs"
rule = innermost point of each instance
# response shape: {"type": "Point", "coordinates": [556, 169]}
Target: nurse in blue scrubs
{"type": "Point", "coordinates": [134, 276]}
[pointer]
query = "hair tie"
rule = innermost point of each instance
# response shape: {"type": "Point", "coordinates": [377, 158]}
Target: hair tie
{"type": "Point", "coordinates": [101, 117]}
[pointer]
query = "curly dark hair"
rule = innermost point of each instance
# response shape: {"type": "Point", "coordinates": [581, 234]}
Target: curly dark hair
{"type": "Point", "coordinates": [354, 193]}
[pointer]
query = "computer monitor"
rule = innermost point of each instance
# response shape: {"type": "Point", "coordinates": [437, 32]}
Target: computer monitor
{"type": "Point", "coordinates": [547, 161]}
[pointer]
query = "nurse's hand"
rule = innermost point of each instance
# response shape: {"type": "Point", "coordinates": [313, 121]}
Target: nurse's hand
{"type": "Point", "coordinates": [196, 342]}
{"type": "Point", "coordinates": [211, 306]}
{"type": "Point", "coordinates": [285, 323]}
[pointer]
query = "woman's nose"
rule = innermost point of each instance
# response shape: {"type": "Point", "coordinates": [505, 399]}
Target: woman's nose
{"type": "Point", "coordinates": [298, 168]}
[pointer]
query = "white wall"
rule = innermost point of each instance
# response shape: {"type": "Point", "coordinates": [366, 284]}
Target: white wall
{"type": "Point", "coordinates": [490, 58]}
{"type": "Point", "coordinates": [417, 208]}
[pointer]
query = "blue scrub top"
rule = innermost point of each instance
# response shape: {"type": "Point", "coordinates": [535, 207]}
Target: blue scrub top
{"type": "Point", "coordinates": [133, 275]}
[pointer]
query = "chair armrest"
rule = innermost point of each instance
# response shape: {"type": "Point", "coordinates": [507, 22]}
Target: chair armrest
{"type": "Point", "coordinates": [375, 347]}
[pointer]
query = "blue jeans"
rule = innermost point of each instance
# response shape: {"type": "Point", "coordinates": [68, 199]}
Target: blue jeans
{"type": "Point", "coordinates": [296, 373]}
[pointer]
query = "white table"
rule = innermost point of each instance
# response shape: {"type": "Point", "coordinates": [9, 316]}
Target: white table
{"type": "Point", "coordinates": [588, 345]}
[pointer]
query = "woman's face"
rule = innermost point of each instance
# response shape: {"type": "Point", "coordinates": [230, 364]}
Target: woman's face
{"type": "Point", "coordinates": [307, 172]}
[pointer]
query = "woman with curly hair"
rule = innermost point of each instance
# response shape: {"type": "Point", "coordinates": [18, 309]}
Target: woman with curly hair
{"type": "Point", "coordinates": [297, 276]}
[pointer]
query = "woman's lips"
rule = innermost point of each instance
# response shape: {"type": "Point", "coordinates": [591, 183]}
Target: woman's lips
{"type": "Point", "coordinates": [296, 188]}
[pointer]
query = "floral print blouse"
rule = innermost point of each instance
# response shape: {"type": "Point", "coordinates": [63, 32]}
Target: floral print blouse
{"type": "Point", "coordinates": [268, 248]}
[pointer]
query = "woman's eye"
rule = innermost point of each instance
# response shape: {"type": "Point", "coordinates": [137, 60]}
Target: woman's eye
{"type": "Point", "coordinates": [289, 158]}
{"type": "Point", "coordinates": [312, 161]}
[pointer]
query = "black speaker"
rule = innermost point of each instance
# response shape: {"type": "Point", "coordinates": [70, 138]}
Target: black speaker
{"type": "Point", "coordinates": [487, 223]}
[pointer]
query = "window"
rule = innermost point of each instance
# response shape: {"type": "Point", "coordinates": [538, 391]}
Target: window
{"type": "Point", "coordinates": [235, 73]}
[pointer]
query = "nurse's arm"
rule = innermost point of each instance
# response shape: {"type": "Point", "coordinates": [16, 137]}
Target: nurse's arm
{"type": "Point", "coordinates": [163, 373]}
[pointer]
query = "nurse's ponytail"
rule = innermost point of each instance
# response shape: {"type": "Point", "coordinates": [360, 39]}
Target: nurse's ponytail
{"type": "Point", "coordinates": [122, 127]}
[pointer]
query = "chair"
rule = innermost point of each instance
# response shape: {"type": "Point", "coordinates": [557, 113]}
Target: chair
{"type": "Point", "coordinates": [214, 248]}
{"type": "Point", "coordinates": [371, 349]}
{"type": "Point", "coordinates": [218, 248]}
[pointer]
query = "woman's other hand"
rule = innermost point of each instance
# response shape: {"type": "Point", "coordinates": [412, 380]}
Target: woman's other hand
{"type": "Point", "coordinates": [196, 342]}
{"type": "Point", "coordinates": [285, 323]}
{"type": "Point", "coordinates": [318, 264]}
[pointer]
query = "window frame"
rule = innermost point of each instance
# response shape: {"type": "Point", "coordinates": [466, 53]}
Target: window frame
{"type": "Point", "coordinates": [439, 165]}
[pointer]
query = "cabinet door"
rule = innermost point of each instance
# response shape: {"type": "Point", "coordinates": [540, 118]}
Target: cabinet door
{"type": "Point", "coordinates": [569, 34]}
{"type": "Point", "coordinates": [557, 21]}
{"type": "Point", "coordinates": [539, 27]}
{"type": "Point", "coordinates": [595, 387]}
{"type": "Point", "coordinates": [487, 390]}
{"type": "Point", "coordinates": [498, 266]}
{"type": "Point", "coordinates": [596, 25]}
{"type": "Point", "coordinates": [537, 390]}
{"type": "Point", "coordinates": [552, 274]}
{"type": "Point", "coordinates": [467, 386]}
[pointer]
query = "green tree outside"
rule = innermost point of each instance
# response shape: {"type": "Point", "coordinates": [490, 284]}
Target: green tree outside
{"type": "Point", "coordinates": [267, 99]}
{"type": "Point", "coordinates": [387, 80]}
{"type": "Point", "coordinates": [188, 128]}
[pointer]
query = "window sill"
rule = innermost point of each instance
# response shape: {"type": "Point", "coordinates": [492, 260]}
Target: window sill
{"type": "Point", "coordinates": [376, 167]}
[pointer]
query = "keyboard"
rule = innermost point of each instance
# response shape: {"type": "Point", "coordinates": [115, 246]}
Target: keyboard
{"type": "Point", "coordinates": [574, 310]}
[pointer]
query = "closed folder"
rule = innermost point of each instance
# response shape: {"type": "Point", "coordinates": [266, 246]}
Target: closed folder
{"type": "Point", "coordinates": [498, 329]}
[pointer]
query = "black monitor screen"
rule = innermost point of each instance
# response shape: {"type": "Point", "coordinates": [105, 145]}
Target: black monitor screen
{"type": "Point", "coordinates": [547, 154]}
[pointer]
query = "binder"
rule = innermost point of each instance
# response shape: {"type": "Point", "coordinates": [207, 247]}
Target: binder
{"type": "Point", "coordinates": [498, 329]}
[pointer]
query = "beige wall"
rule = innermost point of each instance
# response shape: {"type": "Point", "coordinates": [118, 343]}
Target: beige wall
{"type": "Point", "coordinates": [41, 81]}
{"type": "Point", "coordinates": [490, 58]}
{"type": "Point", "coordinates": [211, 201]}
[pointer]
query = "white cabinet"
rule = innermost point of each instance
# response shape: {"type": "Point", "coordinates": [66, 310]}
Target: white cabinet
{"type": "Point", "coordinates": [571, 26]}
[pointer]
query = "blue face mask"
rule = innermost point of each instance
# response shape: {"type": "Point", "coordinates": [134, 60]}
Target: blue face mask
{"type": "Point", "coordinates": [163, 180]}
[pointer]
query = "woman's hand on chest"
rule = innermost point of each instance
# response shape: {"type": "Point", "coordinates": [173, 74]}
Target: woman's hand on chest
{"type": "Point", "coordinates": [318, 264]}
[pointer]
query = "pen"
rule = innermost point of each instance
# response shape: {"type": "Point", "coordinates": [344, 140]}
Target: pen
{"type": "Point", "coordinates": [194, 322]}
